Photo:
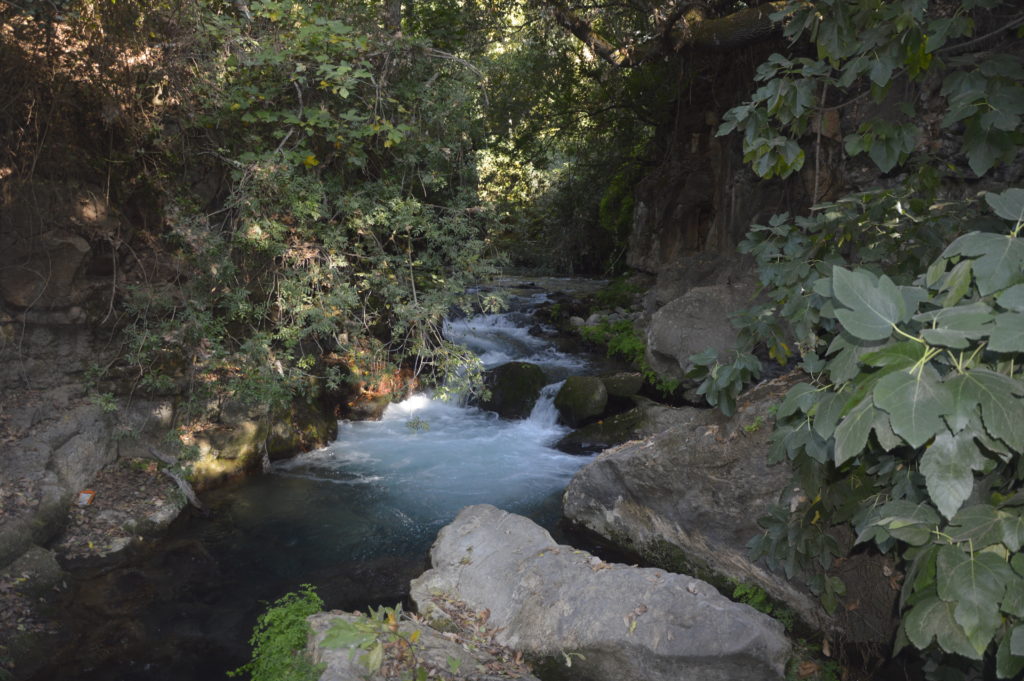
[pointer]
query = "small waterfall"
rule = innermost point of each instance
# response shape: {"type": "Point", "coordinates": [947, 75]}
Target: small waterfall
{"type": "Point", "coordinates": [544, 413]}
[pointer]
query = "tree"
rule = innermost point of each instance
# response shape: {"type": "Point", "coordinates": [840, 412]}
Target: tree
{"type": "Point", "coordinates": [671, 28]}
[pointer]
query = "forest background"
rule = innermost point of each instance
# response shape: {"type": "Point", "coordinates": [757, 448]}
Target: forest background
{"type": "Point", "coordinates": [278, 196]}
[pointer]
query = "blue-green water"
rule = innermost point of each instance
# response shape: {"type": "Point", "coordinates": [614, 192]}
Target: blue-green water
{"type": "Point", "coordinates": [355, 519]}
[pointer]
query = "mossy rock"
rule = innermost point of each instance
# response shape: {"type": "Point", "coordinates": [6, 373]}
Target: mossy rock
{"type": "Point", "coordinates": [623, 383]}
{"type": "Point", "coordinates": [304, 425]}
{"type": "Point", "coordinates": [514, 388]}
{"type": "Point", "coordinates": [581, 400]}
{"type": "Point", "coordinates": [602, 434]}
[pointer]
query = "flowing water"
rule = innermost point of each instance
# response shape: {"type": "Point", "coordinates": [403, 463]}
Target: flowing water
{"type": "Point", "coordinates": [355, 519]}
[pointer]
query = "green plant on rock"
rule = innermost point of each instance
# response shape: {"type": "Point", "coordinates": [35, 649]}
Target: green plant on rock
{"type": "Point", "coordinates": [758, 599]}
{"type": "Point", "coordinates": [279, 640]}
{"type": "Point", "coordinates": [721, 384]}
{"type": "Point", "coordinates": [377, 639]}
{"type": "Point", "coordinates": [622, 339]}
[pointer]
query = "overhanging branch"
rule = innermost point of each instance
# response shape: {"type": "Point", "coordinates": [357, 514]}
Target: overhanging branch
{"type": "Point", "coordinates": [685, 26]}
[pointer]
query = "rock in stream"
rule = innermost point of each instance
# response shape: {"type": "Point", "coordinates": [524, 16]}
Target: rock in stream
{"type": "Point", "coordinates": [613, 622]}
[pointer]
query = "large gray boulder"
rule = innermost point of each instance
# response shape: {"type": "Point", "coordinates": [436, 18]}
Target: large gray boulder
{"type": "Point", "coordinates": [693, 322]}
{"type": "Point", "coordinates": [439, 654]}
{"type": "Point", "coordinates": [688, 499]}
{"type": "Point", "coordinates": [613, 622]}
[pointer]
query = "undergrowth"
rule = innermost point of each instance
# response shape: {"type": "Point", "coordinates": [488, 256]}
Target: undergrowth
{"type": "Point", "coordinates": [279, 640]}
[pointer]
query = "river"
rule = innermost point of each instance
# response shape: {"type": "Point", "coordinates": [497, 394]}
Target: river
{"type": "Point", "coordinates": [355, 519]}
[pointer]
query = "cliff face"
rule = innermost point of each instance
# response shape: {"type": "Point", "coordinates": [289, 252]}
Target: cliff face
{"type": "Point", "coordinates": [698, 195]}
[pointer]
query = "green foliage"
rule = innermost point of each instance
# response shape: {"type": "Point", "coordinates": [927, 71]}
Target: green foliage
{"type": "Point", "coordinates": [721, 384]}
{"type": "Point", "coordinates": [903, 305]}
{"type": "Point", "coordinates": [869, 47]}
{"type": "Point", "coordinates": [622, 339]}
{"type": "Point", "coordinates": [566, 152]}
{"type": "Point", "coordinates": [105, 401]}
{"type": "Point", "coordinates": [619, 293]}
{"type": "Point", "coordinates": [912, 431]}
{"type": "Point", "coordinates": [349, 226]}
{"type": "Point", "coordinates": [758, 599]}
{"type": "Point", "coordinates": [377, 638]}
{"type": "Point", "coordinates": [279, 640]}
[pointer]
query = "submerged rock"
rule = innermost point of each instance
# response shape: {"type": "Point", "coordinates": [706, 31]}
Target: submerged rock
{"type": "Point", "coordinates": [611, 622]}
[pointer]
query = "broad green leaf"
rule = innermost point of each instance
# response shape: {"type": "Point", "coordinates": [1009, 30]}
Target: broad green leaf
{"type": "Point", "coordinates": [921, 573]}
{"type": "Point", "coordinates": [344, 634]}
{"type": "Point", "coordinates": [887, 439]}
{"type": "Point", "coordinates": [846, 352]}
{"type": "Point", "coordinates": [915, 403]}
{"type": "Point", "coordinates": [1012, 298]}
{"type": "Point", "coordinates": [975, 583]}
{"type": "Point", "coordinates": [965, 403]}
{"type": "Point", "coordinates": [1002, 410]}
{"type": "Point", "coordinates": [1017, 640]}
{"type": "Point", "coordinates": [913, 296]}
{"type": "Point", "coordinates": [935, 272]}
{"type": "Point", "coordinates": [948, 465]}
{"type": "Point", "coordinates": [1008, 665]}
{"type": "Point", "coordinates": [375, 658]}
{"type": "Point", "coordinates": [954, 326]}
{"type": "Point", "coordinates": [979, 524]}
{"type": "Point", "coordinates": [1008, 204]}
{"type": "Point", "coordinates": [874, 306]}
{"type": "Point", "coordinates": [800, 397]}
{"type": "Point", "coordinates": [899, 355]}
{"type": "Point", "coordinates": [985, 146]}
{"type": "Point", "coordinates": [1000, 259]}
{"type": "Point", "coordinates": [852, 434]}
{"type": "Point", "coordinates": [1012, 525]}
{"type": "Point", "coordinates": [909, 522]}
{"type": "Point", "coordinates": [828, 412]}
{"type": "Point", "coordinates": [932, 620]}
{"type": "Point", "coordinates": [1013, 599]}
{"type": "Point", "coordinates": [958, 283]}
{"type": "Point", "coordinates": [1008, 334]}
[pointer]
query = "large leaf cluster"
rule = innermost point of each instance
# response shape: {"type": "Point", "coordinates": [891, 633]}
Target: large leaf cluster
{"type": "Point", "coordinates": [863, 50]}
{"type": "Point", "coordinates": [348, 225]}
{"type": "Point", "coordinates": [912, 431]}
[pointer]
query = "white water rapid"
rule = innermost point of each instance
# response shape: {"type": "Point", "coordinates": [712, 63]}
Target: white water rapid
{"type": "Point", "coordinates": [412, 471]}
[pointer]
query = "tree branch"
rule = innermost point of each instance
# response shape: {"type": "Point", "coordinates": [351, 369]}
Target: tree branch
{"type": "Point", "coordinates": [685, 26]}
